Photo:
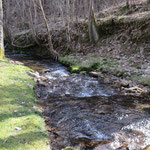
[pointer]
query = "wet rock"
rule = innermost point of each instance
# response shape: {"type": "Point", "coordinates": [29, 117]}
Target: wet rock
{"type": "Point", "coordinates": [96, 74]}
{"type": "Point", "coordinates": [92, 121]}
{"type": "Point", "coordinates": [124, 147]}
{"type": "Point", "coordinates": [134, 89]}
{"type": "Point", "coordinates": [68, 148]}
{"type": "Point", "coordinates": [33, 74]}
{"type": "Point", "coordinates": [147, 147]}
{"type": "Point", "coordinates": [46, 71]}
{"type": "Point", "coordinates": [147, 70]}
{"type": "Point", "coordinates": [104, 109]}
{"type": "Point", "coordinates": [122, 84]}
{"type": "Point", "coordinates": [18, 129]}
{"type": "Point", "coordinates": [125, 83]}
{"type": "Point", "coordinates": [41, 83]}
{"type": "Point", "coordinates": [104, 147]}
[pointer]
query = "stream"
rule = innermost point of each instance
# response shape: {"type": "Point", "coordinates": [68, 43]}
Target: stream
{"type": "Point", "coordinates": [86, 113]}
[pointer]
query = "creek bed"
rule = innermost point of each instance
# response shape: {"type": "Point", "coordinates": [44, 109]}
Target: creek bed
{"type": "Point", "coordinates": [85, 113]}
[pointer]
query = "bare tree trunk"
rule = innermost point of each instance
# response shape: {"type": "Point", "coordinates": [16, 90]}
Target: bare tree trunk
{"type": "Point", "coordinates": [50, 44]}
{"type": "Point", "coordinates": [93, 29]}
{"type": "Point", "coordinates": [127, 4]}
{"type": "Point", "coordinates": [2, 55]}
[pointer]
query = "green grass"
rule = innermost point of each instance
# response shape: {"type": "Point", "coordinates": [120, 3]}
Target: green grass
{"type": "Point", "coordinates": [145, 81]}
{"type": "Point", "coordinates": [21, 124]}
{"type": "Point", "coordinates": [88, 64]}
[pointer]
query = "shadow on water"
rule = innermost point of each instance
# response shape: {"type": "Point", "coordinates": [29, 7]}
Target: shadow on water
{"type": "Point", "coordinates": [84, 112]}
{"type": "Point", "coordinates": [90, 122]}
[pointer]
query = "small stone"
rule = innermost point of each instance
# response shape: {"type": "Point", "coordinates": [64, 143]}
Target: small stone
{"type": "Point", "coordinates": [18, 128]}
{"type": "Point", "coordinates": [125, 83]}
{"type": "Point", "coordinates": [40, 82]}
{"type": "Point", "coordinates": [5, 140]}
{"type": "Point", "coordinates": [96, 74]}
{"type": "Point", "coordinates": [38, 95]}
{"type": "Point", "coordinates": [46, 70]}
{"type": "Point", "coordinates": [44, 79]}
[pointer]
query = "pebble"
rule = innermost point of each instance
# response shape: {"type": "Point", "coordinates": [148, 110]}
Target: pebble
{"type": "Point", "coordinates": [18, 128]}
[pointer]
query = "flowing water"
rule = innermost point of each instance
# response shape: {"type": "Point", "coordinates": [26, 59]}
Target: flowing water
{"type": "Point", "coordinates": [85, 113]}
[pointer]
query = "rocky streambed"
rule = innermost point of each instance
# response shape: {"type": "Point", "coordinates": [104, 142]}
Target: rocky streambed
{"type": "Point", "coordinates": [83, 112]}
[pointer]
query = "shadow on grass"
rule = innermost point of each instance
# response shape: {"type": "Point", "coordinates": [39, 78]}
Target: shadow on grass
{"type": "Point", "coordinates": [21, 140]}
{"type": "Point", "coordinates": [16, 102]}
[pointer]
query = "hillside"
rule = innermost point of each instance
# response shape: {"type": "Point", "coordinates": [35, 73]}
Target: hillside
{"type": "Point", "coordinates": [122, 53]}
{"type": "Point", "coordinates": [123, 50]}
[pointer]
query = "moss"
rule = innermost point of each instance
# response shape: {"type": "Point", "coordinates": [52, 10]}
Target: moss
{"type": "Point", "coordinates": [67, 60]}
{"type": "Point", "coordinates": [138, 67]}
{"type": "Point", "coordinates": [124, 9]}
{"type": "Point", "coordinates": [2, 55]}
{"type": "Point", "coordinates": [83, 72]}
{"type": "Point", "coordinates": [119, 73]}
{"type": "Point", "coordinates": [145, 81]}
{"type": "Point", "coordinates": [94, 33]}
{"type": "Point", "coordinates": [148, 1]}
{"type": "Point", "coordinates": [130, 61]}
{"type": "Point", "coordinates": [71, 148]}
{"type": "Point", "coordinates": [135, 77]}
{"type": "Point", "coordinates": [75, 69]}
{"type": "Point", "coordinates": [22, 127]}
{"type": "Point", "coordinates": [89, 64]}
{"type": "Point", "coordinates": [68, 148]}
{"type": "Point", "coordinates": [140, 79]}
{"type": "Point", "coordinates": [101, 15]}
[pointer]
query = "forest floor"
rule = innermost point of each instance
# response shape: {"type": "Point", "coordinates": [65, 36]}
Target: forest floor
{"type": "Point", "coordinates": [21, 124]}
{"type": "Point", "coordinates": [123, 52]}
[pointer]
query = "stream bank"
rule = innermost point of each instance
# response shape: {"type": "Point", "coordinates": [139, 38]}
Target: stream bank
{"type": "Point", "coordinates": [122, 73]}
{"type": "Point", "coordinates": [21, 124]}
{"type": "Point", "coordinates": [86, 113]}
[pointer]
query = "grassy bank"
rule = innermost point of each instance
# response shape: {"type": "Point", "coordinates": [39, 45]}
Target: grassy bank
{"type": "Point", "coordinates": [107, 66]}
{"type": "Point", "coordinates": [87, 64]}
{"type": "Point", "coordinates": [21, 124]}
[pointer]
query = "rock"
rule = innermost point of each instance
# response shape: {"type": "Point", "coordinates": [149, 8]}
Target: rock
{"type": "Point", "coordinates": [68, 148]}
{"type": "Point", "coordinates": [147, 147]}
{"type": "Point", "coordinates": [18, 129]}
{"type": "Point", "coordinates": [104, 147]}
{"type": "Point", "coordinates": [38, 95]}
{"type": "Point", "coordinates": [96, 74]}
{"type": "Point", "coordinates": [104, 109]}
{"type": "Point", "coordinates": [40, 82]}
{"type": "Point", "coordinates": [134, 89]}
{"type": "Point", "coordinates": [124, 147]}
{"type": "Point", "coordinates": [5, 140]}
{"type": "Point", "coordinates": [43, 78]}
{"type": "Point", "coordinates": [46, 70]}
{"type": "Point", "coordinates": [125, 83]}
{"type": "Point", "coordinates": [147, 70]}
{"type": "Point", "coordinates": [32, 74]}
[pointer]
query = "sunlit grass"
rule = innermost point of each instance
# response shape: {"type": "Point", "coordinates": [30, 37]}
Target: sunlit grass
{"type": "Point", "coordinates": [21, 125]}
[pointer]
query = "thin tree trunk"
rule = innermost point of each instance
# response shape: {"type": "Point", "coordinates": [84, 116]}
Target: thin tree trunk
{"type": "Point", "coordinates": [2, 55]}
{"type": "Point", "coordinates": [50, 44]}
{"type": "Point", "coordinates": [93, 29]}
{"type": "Point", "coordinates": [127, 4]}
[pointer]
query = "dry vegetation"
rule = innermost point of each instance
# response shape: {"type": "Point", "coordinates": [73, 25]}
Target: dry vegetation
{"type": "Point", "coordinates": [68, 20]}
{"type": "Point", "coordinates": [25, 16]}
